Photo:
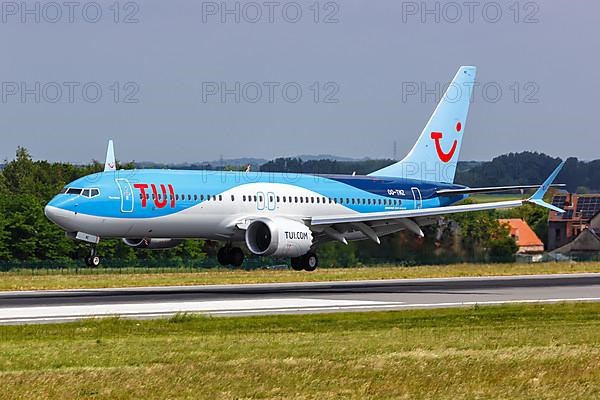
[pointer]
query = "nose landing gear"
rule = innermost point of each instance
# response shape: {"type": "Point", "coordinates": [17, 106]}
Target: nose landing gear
{"type": "Point", "coordinates": [92, 260]}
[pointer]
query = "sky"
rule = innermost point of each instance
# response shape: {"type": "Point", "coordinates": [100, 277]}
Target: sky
{"type": "Point", "coordinates": [186, 81]}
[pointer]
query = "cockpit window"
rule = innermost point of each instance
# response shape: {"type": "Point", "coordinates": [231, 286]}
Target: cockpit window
{"type": "Point", "coordinates": [63, 190]}
{"type": "Point", "coordinates": [89, 193]}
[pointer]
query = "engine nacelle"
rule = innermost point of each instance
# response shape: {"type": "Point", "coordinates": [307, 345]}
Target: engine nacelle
{"type": "Point", "coordinates": [278, 237]}
{"type": "Point", "coordinates": [152, 243]}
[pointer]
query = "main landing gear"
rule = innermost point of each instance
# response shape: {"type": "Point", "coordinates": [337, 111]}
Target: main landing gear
{"type": "Point", "coordinates": [307, 262]}
{"type": "Point", "coordinates": [228, 255]}
{"type": "Point", "coordinates": [92, 260]}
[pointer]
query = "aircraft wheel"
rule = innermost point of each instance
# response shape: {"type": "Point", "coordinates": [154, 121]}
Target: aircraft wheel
{"type": "Point", "coordinates": [311, 262]}
{"type": "Point", "coordinates": [236, 257]}
{"type": "Point", "coordinates": [94, 261]}
{"type": "Point", "coordinates": [296, 263]}
{"type": "Point", "coordinates": [223, 256]}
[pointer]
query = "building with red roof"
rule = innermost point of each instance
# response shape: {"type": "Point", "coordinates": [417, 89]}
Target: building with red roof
{"type": "Point", "coordinates": [526, 239]}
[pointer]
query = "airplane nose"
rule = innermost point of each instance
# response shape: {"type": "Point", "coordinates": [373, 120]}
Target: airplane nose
{"type": "Point", "coordinates": [51, 212]}
{"type": "Point", "coordinates": [59, 216]}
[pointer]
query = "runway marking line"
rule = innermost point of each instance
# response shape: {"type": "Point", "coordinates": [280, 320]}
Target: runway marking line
{"type": "Point", "coordinates": [244, 307]}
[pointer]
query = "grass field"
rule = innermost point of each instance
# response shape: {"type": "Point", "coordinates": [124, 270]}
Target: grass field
{"type": "Point", "coordinates": [508, 352]}
{"type": "Point", "coordinates": [24, 280]}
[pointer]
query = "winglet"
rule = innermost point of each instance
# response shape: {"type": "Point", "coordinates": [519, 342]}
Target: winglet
{"type": "Point", "coordinates": [110, 164]}
{"type": "Point", "coordinates": [538, 196]}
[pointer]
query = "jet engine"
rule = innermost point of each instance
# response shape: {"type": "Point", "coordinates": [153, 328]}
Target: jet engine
{"type": "Point", "coordinates": [152, 243]}
{"type": "Point", "coordinates": [278, 237]}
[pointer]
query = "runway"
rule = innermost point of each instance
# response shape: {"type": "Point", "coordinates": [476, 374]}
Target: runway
{"type": "Point", "coordinates": [292, 298]}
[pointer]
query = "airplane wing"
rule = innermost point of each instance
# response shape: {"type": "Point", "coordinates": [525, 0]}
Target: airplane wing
{"type": "Point", "coordinates": [428, 212]}
{"type": "Point", "coordinates": [491, 189]}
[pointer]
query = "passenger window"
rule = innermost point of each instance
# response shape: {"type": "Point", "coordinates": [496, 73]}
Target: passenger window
{"type": "Point", "coordinates": [301, 199]}
{"type": "Point", "coordinates": [232, 198]}
{"type": "Point", "coordinates": [220, 197]}
{"type": "Point", "coordinates": [195, 197]}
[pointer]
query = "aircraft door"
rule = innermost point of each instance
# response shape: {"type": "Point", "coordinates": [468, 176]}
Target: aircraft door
{"type": "Point", "coordinates": [418, 199]}
{"type": "Point", "coordinates": [126, 195]}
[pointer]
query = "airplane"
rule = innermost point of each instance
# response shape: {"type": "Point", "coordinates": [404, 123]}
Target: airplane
{"type": "Point", "coordinates": [282, 214]}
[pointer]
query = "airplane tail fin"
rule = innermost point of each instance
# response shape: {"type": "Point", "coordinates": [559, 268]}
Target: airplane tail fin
{"type": "Point", "coordinates": [110, 164]}
{"type": "Point", "coordinates": [435, 155]}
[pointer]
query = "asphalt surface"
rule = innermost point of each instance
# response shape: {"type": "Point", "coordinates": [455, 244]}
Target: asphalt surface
{"type": "Point", "coordinates": [289, 298]}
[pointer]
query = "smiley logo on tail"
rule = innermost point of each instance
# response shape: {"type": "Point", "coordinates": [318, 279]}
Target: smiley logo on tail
{"type": "Point", "coordinates": [445, 156]}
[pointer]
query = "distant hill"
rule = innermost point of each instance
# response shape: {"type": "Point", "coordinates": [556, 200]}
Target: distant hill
{"type": "Point", "coordinates": [530, 168]}
{"type": "Point", "coordinates": [308, 157]}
